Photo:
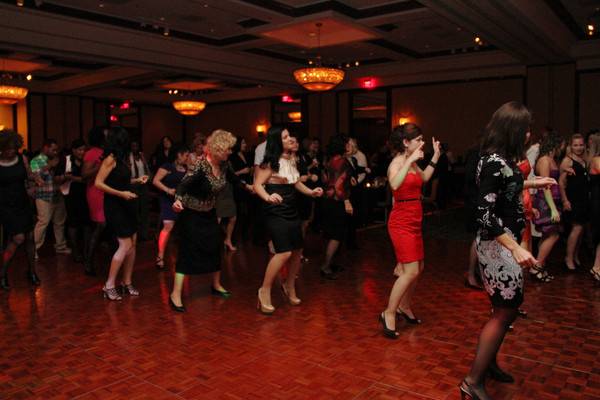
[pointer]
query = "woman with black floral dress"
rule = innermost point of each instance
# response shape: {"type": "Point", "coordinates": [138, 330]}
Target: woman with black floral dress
{"type": "Point", "coordinates": [501, 222]}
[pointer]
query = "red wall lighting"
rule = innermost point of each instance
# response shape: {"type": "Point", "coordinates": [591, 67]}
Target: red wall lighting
{"type": "Point", "coordinates": [113, 118]}
{"type": "Point", "coordinates": [368, 83]}
{"type": "Point", "coordinates": [287, 99]}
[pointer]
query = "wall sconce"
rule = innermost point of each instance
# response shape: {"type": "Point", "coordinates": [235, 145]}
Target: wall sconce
{"type": "Point", "coordinates": [295, 116]}
{"type": "Point", "coordinates": [403, 120]}
{"type": "Point", "coordinates": [261, 128]}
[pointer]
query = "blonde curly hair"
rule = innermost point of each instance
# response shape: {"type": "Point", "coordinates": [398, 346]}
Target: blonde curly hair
{"type": "Point", "coordinates": [220, 141]}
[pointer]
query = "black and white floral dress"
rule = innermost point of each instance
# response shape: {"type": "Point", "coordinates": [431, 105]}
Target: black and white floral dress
{"type": "Point", "coordinates": [499, 210]}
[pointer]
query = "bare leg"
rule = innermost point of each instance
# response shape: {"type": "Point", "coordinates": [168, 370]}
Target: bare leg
{"type": "Point", "coordinates": [177, 289]}
{"type": "Point", "coordinates": [216, 281]}
{"type": "Point", "coordinates": [273, 268]}
{"type": "Point", "coordinates": [572, 245]}
{"type": "Point", "coordinates": [229, 233]}
{"type": "Point", "coordinates": [163, 239]}
{"type": "Point", "coordinates": [330, 251]}
{"type": "Point", "coordinates": [402, 284]}
{"type": "Point", "coordinates": [293, 270]}
{"type": "Point", "coordinates": [545, 248]}
{"type": "Point", "coordinates": [129, 261]}
{"type": "Point", "coordinates": [406, 301]}
{"type": "Point", "coordinates": [125, 245]}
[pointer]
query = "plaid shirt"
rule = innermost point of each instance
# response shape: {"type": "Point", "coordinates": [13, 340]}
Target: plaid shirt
{"type": "Point", "coordinates": [49, 190]}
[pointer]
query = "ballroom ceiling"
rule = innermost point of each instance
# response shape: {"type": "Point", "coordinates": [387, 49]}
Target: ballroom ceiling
{"type": "Point", "coordinates": [248, 48]}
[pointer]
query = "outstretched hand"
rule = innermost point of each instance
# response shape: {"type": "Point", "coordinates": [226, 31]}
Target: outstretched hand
{"type": "Point", "coordinates": [437, 147]}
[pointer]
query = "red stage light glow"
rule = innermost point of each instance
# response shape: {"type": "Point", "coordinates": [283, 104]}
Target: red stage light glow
{"type": "Point", "coordinates": [125, 105]}
{"type": "Point", "coordinates": [287, 99]}
{"type": "Point", "coordinates": [113, 118]}
{"type": "Point", "coordinates": [368, 83]}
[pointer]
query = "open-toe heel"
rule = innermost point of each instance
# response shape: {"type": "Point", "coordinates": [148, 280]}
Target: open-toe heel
{"type": "Point", "coordinates": [295, 301]}
{"type": "Point", "coordinates": [160, 263]}
{"type": "Point", "coordinates": [264, 309]}
{"type": "Point", "coordinates": [111, 294]}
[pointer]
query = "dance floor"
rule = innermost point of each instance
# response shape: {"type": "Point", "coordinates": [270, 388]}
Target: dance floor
{"type": "Point", "coordinates": [64, 341]}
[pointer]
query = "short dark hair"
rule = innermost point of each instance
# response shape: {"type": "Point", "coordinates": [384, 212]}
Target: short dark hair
{"type": "Point", "coordinates": [77, 143]}
{"type": "Point", "coordinates": [506, 132]}
{"type": "Point", "coordinates": [180, 148]}
{"type": "Point", "coordinates": [337, 145]}
{"type": "Point", "coordinates": [10, 139]}
{"type": "Point", "coordinates": [408, 131]}
{"type": "Point", "coordinates": [49, 142]}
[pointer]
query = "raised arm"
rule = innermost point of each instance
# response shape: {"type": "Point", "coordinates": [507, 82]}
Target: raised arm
{"type": "Point", "coordinates": [428, 172]}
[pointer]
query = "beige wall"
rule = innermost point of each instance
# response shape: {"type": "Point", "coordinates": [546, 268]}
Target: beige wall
{"type": "Point", "coordinates": [238, 118]}
{"type": "Point", "coordinates": [455, 112]}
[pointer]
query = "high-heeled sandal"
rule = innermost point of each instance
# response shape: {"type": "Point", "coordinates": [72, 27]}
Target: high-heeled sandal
{"type": "Point", "coordinates": [412, 321]}
{"type": "Point", "coordinates": [264, 309]}
{"type": "Point", "coordinates": [229, 247]}
{"type": "Point", "coordinates": [540, 274]}
{"type": "Point", "coordinates": [387, 332]}
{"type": "Point", "coordinates": [293, 301]}
{"type": "Point", "coordinates": [595, 274]}
{"type": "Point", "coordinates": [111, 294]}
{"type": "Point", "coordinates": [160, 263]}
{"type": "Point", "coordinates": [129, 289]}
{"type": "Point", "coordinates": [468, 391]}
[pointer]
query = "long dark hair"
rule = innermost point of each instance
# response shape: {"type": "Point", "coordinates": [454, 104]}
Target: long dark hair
{"type": "Point", "coordinates": [408, 131]}
{"type": "Point", "coordinates": [160, 147]}
{"type": "Point", "coordinates": [97, 136]}
{"type": "Point", "coordinates": [552, 142]}
{"type": "Point", "coordinates": [506, 132]}
{"type": "Point", "coordinates": [117, 143]}
{"type": "Point", "coordinates": [274, 148]}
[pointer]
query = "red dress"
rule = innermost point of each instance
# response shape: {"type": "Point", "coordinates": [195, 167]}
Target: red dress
{"type": "Point", "coordinates": [525, 168]}
{"type": "Point", "coordinates": [405, 222]}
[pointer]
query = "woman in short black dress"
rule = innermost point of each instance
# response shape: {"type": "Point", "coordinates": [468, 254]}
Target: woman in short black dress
{"type": "Point", "coordinates": [280, 177]}
{"type": "Point", "coordinates": [16, 214]}
{"type": "Point", "coordinates": [241, 166]}
{"type": "Point", "coordinates": [200, 237]}
{"type": "Point", "coordinates": [167, 178]}
{"type": "Point", "coordinates": [114, 179]}
{"type": "Point", "coordinates": [575, 196]}
{"type": "Point", "coordinates": [501, 221]}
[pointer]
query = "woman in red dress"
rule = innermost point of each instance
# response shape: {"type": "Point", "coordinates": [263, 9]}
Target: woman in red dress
{"type": "Point", "coordinates": [404, 225]}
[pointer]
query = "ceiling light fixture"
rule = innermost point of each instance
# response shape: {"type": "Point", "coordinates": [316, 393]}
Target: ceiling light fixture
{"type": "Point", "coordinates": [20, 3]}
{"type": "Point", "coordinates": [318, 78]}
{"type": "Point", "coordinates": [189, 107]}
{"type": "Point", "coordinates": [10, 92]}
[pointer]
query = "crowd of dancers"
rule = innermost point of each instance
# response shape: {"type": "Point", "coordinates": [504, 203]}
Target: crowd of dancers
{"type": "Point", "coordinates": [518, 194]}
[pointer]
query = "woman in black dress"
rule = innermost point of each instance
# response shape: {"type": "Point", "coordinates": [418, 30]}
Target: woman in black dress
{"type": "Point", "coordinates": [501, 221]}
{"type": "Point", "coordinates": [114, 179]}
{"type": "Point", "coordinates": [574, 193]}
{"type": "Point", "coordinates": [16, 215]}
{"type": "Point", "coordinates": [162, 154]}
{"type": "Point", "coordinates": [280, 177]}
{"type": "Point", "coordinates": [241, 166]}
{"type": "Point", "coordinates": [594, 169]}
{"type": "Point", "coordinates": [78, 213]}
{"type": "Point", "coordinates": [200, 237]}
{"type": "Point", "coordinates": [167, 178]}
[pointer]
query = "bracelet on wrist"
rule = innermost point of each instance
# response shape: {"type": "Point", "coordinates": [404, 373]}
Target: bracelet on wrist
{"type": "Point", "coordinates": [432, 164]}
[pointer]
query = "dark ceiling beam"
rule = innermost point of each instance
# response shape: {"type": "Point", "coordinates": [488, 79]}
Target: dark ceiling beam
{"type": "Point", "coordinates": [520, 28]}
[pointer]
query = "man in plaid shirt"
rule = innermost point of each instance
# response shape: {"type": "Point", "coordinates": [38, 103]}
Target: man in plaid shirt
{"type": "Point", "coordinates": [49, 201]}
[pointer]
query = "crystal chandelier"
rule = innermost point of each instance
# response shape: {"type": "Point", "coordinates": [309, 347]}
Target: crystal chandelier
{"type": "Point", "coordinates": [318, 78]}
{"type": "Point", "coordinates": [189, 107]}
{"type": "Point", "coordinates": [9, 92]}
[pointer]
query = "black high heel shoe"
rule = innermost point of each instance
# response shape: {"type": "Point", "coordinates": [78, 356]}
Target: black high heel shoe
{"type": "Point", "coordinates": [468, 391]}
{"type": "Point", "coordinates": [33, 278]}
{"type": "Point", "coordinates": [412, 321]}
{"type": "Point", "coordinates": [4, 283]}
{"type": "Point", "coordinates": [498, 375]}
{"type": "Point", "coordinates": [174, 307]}
{"type": "Point", "coordinates": [224, 293]}
{"type": "Point", "coordinates": [330, 275]}
{"type": "Point", "coordinates": [387, 332]}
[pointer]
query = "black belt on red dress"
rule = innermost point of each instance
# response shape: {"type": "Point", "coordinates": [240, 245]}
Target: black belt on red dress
{"type": "Point", "coordinates": [405, 200]}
